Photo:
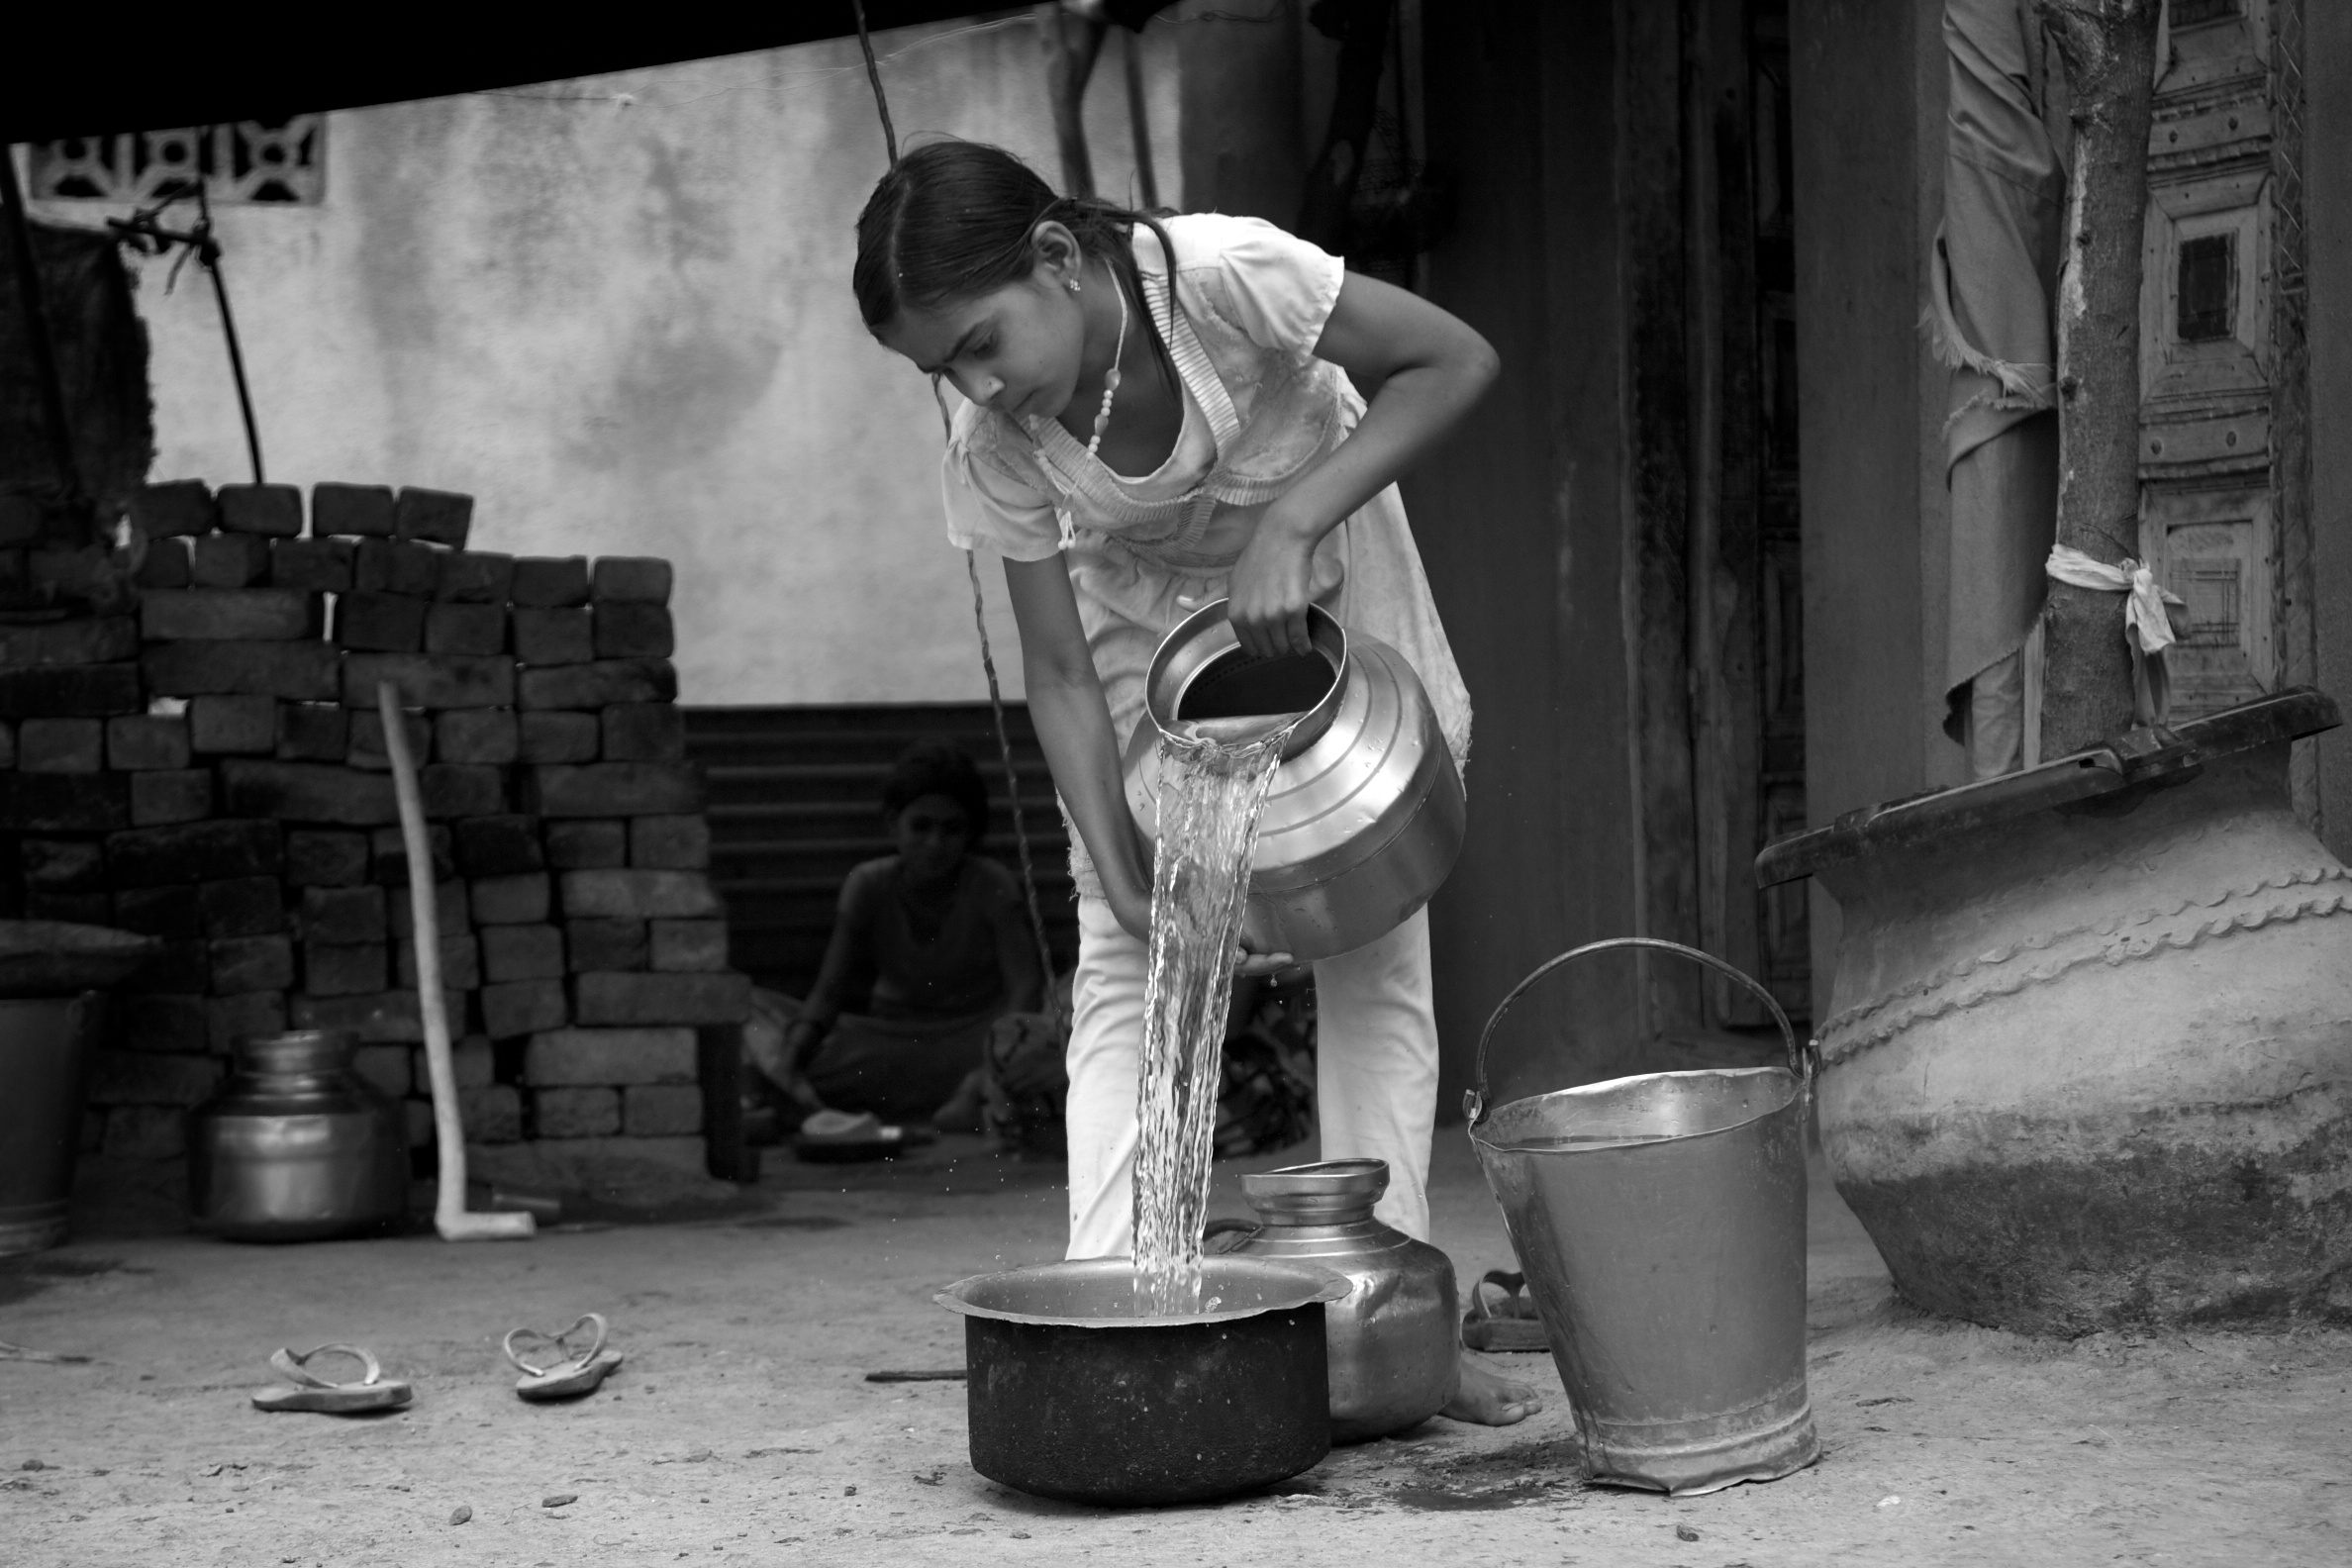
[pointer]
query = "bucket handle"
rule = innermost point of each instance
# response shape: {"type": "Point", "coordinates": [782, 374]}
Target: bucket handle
{"type": "Point", "coordinates": [1801, 1058]}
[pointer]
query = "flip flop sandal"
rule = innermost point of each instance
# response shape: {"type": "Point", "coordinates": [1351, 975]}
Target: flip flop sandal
{"type": "Point", "coordinates": [1508, 1325]}
{"type": "Point", "coordinates": [579, 1374]}
{"type": "Point", "coordinates": [306, 1391]}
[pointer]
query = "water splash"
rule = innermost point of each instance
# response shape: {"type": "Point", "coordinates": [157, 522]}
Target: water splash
{"type": "Point", "coordinates": [1211, 793]}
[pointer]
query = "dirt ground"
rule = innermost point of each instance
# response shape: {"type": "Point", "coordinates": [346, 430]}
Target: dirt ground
{"type": "Point", "coordinates": [741, 1427]}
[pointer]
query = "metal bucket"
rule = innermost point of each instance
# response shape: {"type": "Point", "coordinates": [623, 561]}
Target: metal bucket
{"type": "Point", "coordinates": [1660, 1220]}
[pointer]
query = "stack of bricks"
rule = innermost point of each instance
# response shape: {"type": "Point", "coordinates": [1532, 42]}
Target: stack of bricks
{"type": "Point", "coordinates": [209, 769]}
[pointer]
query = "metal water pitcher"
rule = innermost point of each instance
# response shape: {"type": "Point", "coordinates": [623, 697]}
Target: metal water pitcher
{"type": "Point", "coordinates": [1366, 815]}
{"type": "Point", "coordinates": [296, 1146]}
{"type": "Point", "coordinates": [1392, 1339]}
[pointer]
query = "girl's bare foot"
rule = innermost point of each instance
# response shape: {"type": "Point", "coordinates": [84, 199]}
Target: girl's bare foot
{"type": "Point", "coordinates": [1486, 1398]}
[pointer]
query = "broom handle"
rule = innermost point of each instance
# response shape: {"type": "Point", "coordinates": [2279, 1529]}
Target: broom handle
{"type": "Point", "coordinates": [449, 1128]}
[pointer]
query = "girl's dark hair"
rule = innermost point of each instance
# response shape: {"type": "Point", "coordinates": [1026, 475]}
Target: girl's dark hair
{"type": "Point", "coordinates": [934, 767]}
{"type": "Point", "coordinates": [954, 219]}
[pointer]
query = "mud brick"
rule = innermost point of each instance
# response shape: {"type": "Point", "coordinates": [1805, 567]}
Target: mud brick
{"type": "Point", "coordinates": [640, 895]}
{"type": "Point", "coordinates": [473, 628]}
{"type": "Point", "coordinates": [523, 1007]}
{"type": "Point", "coordinates": [180, 968]}
{"type": "Point", "coordinates": [313, 732]}
{"type": "Point", "coordinates": [76, 573]}
{"type": "Point", "coordinates": [601, 684]}
{"type": "Point", "coordinates": [521, 952]}
{"type": "Point", "coordinates": [430, 680]}
{"type": "Point", "coordinates": [547, 582]}
{"type": "Point", "coordinates": [63, 801]}
{"type": "Point", "coordinates": [75, 909]}
{"type": "Point", "coordinates": [616, 945]}
{"type": "Point", "coordinates": [160, 1023]}
{"type": "Point", "coordinates": [547, 638]}
{"type": "Point", "coordinates": [634, 630]}
{"type": "Point", "coordinates": [172, 912]}
{"type": "Point", "coordinates": [674, 844]}
{"type": "Point", "coordinates": [121, 1077]}
{"type": "Point", "coordinates": [575, 1113]}
{"type": "Point", "coordinates": [460, 962]}
{"type": "Point", "coordinates": [324, 858]}
{"type": "Point", "coordinates": [440, 516]}
{"type": "Point", "coordinates": [230, 1019]}
{"type": "Point", "coordinates": [176, 506]}
{"type": "Point", "coordinates": [252, 964]}
{"type": "Point", "coordinates": [22, 519]}
{"type": "Point", "coordinates": [461, 789]}
{"type": "Point", "coordinates": [307, 792]}
{"type": "Point", "coordinates": [661, 998]}
{"type": "Point", "coordinates": [70, 691]}
{"type": "Point", "coordinates": [164, 797]}
{"type": "Point", "coordinates": [471, 1062]}
{"type": "Point", "coordinates": [385, 567]}
{"type": "Point", "coordinates": [163, 564]}
{"type": "Point", "coordinates": [660, 1110]}
{"type": "Point", "coordinates": [208, 851]}
{"type": "Point", "coordinates": [222, 614]}
{"type": "Point", "coordinates": [380, 623]}
{"type": "Point", "coordinates": [62, 746]}
{"type": "Point", "coordinates": [387, 1018]}
{"type": "Point", "coordinates": [643, 732]}
{"type": "Point", "coordinates": [390, 856]}
{"type": "Point", "coordinates": [242, 726]}
{"type": "Point", "coordinates": [477, 734]}
{"type": "Point", "coordinates": [351, 508]}
{"type": "Point", "coordinates": [242, 907]}
{"type": "Point", "coordinates": [62, 865]}
{"type": "Point", "coordinates": [151, 1134]}
{"type": "Point", "coordinates": [228, 560]}
{"type": "Point", "coordinates": [302, 671]}
{"type": "Point", "coordinates": [614, 789]}
{"type": "Point", "coordinates": [492, 1114]}
{"type": "Point", "coordinates": [492, 846]}
{"type": "Point", "coordinates": [274, 510]}
{"type": "Point", "coordinates": [630, 579]}
{"type": "Point", "coordinates": [137, 742]}
{"type": "Point", "coordinates": [479, 577]}
{"type": "Point", "coordinates": [568, 1057]}
{"type": "Point", "coordinates": [367, 750]}
{"type": "Point", "coordinates": [91, 640]}
{"type": "Point", "coordinates": [519, 900]}
{"type": "Point", "coordinates": [385, 1066]}
{"type": "Point", "coordinates": [7, 745]}
{"type": "Point", "coordinates": [587, 846]}
{"type": "Point", "coordinates": [689, 946]}
{"type": "Point", "coordinates": [337, 969]}
{"type": "Point", "coordinates": [317, 565]}
{"type": "Point", "coordinates": [342, 916]}
{"type": "Point", "coordinates": [556, 737]}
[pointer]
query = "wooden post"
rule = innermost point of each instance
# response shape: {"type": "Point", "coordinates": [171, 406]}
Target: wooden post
{"type": "Point", "coordinates": [2110, 50]}
{"type": "Point", "coordinates": [1071, 44]}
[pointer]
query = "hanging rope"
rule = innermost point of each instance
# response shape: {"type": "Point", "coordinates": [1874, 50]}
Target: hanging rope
{"type": "Point", "coordinates": [865, 42]}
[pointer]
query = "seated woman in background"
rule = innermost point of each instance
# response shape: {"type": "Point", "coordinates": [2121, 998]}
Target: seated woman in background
{"type": "Point", "coordinates": [930, 947]}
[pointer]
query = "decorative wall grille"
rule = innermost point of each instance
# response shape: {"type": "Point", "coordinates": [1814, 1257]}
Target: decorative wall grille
{"type": "Point", "coordinates": [252, 161]}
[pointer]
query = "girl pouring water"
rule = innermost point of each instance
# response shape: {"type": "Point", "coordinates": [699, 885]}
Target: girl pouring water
{"type": "Point", "coordinates": [1163, 411]}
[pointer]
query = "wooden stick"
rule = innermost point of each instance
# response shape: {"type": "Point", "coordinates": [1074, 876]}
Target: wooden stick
{"type": "Point", "coordinates": [449, 1215]}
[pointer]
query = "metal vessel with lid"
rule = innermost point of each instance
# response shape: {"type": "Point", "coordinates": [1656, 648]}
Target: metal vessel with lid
{"type": "Point", "coordinates": [1365, 816]}
{"type": "Point", "coordinates": [1394, 1356]}
{"type": "Point", "coordinates": [296, 1146]}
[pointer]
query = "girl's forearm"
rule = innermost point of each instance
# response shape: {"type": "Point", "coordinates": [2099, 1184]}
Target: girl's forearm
{"type": "Point", "coordinates": [1074, 727]}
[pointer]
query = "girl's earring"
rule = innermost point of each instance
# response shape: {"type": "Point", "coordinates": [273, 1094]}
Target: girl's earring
{"type": "Point", "coordinates": [1073, 285]}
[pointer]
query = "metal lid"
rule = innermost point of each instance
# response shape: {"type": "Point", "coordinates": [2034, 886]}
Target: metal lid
{"type": "Point", "coordinates": [1328, 1191]}
{"type": "Point", "coordinates": [296, 1051]}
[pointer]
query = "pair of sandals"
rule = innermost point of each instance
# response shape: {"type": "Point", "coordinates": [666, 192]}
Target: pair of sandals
{"type": "Point", "coordinates": [572, 1374]}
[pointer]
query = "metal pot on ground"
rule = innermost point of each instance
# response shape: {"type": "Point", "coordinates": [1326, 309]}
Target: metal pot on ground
{"type": "Point", "coordinates": [1392, 1339]}
{"type": "Point", "coordinates": [2091, 1058]}
{"type": "Point", "coordinates": [296, 1146]}
{"type": "Point", "coordinates": [1072, 1396]}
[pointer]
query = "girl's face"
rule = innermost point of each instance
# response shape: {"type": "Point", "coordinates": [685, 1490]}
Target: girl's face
{"type": "Point", "coordinates": [1015, 350]}
{"type": "Point", "coordinates": [932, 836]}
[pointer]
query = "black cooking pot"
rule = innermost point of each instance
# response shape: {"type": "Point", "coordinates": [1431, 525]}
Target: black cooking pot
{"type": "Point", "coordinates": [1072, 1396]}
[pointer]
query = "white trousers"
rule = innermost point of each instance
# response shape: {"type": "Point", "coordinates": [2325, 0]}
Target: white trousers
{"type": "Point", "coordinates": [1376, 1073]}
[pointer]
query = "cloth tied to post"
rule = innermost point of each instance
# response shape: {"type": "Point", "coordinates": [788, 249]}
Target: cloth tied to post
{"type": "Point", "coordinates": [2147, 619]}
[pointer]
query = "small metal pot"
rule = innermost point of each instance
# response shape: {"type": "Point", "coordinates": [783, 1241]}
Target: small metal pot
{"type": "Point", "coordinates": [1394, 1353]}
{"type": "Point", "coordinates": [1072, 1396]}
{"type": "Point", "coordinates": [297, 1146]}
